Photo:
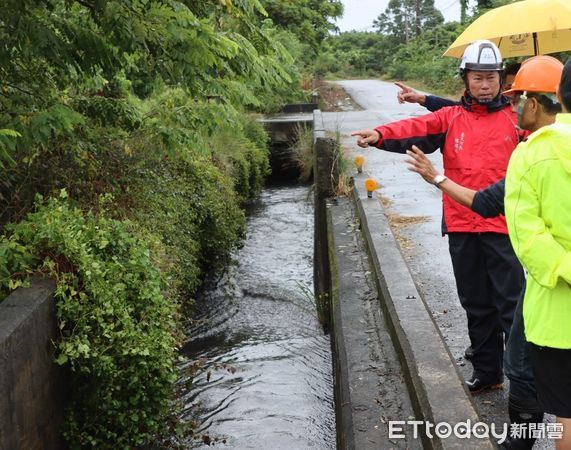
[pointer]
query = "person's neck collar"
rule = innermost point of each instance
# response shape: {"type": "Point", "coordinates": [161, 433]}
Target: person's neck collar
{"type": "Point", "coordinates": [563, 117]}
{"type": "Point", "coordinates": [470, 103]}
{"type": "Point", "coordinates": [543, 121]}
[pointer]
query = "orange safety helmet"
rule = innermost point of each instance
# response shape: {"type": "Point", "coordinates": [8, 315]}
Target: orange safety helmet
{"type": "Point", "coordinates": [540, 74]}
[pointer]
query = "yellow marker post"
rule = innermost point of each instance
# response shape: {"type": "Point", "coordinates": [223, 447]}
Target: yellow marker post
{"type": "Point", "coordinates": [371, 185]}
{"type": "Point", "coordinates": [359, 162]}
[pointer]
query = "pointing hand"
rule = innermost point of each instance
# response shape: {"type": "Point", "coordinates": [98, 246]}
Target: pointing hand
{"type": "Point", "coordinates": [409, 95]}
{"type": "Point", "coordinates": [366, 138]}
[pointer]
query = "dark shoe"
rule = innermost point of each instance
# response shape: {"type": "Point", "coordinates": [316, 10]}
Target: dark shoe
{"type": "Point", "coordinates": [469, 353]}
{"type": "Point", "coordinates": [477, 385]}
{"type": "Point", "coordinates": [525, 418]}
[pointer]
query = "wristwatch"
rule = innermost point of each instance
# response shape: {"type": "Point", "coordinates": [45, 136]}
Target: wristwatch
{"type": "Point", "coordinates": [439, 179]}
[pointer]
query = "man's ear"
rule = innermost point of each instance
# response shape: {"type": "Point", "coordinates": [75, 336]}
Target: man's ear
{"type": "Point", "coordinates": [559, 99]}
{"type": "Point", "coordinates": [535, 106]}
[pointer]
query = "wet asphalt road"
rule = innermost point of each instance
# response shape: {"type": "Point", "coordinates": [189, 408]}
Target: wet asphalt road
{"type": "Point", "coordinates": [410, 198]}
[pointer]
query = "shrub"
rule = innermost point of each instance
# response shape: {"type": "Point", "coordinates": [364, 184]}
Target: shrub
{"type": "Point", "coordinates": [243, 155]}
{"type": "Point", "coordinates": [117, 326]}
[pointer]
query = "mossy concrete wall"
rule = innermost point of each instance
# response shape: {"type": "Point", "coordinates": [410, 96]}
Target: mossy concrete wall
{"type": "Point", "coordinates": [32, 386]}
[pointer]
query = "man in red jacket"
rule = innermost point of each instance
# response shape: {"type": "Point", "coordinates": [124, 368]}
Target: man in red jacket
{"type": "Point", "coordinates": [476, 139]}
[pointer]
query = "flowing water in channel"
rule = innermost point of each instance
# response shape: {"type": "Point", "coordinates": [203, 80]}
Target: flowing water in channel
{"type": "Point", "coordinates": [268, 379]}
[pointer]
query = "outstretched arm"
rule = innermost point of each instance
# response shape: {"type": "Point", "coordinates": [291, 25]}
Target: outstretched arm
{"type": "Point", "coordinates": [420, 164]}
{"type": "Point", "coordinates": [430, 102]}
{"type": "Point", "coordinates": [488, 202]}
{"type": "Point", "coordinates": [409, 95]}
{"type": "Point", "coordinates": [427, 132]}
{"type": "Point", "coordinates": [366, 138]}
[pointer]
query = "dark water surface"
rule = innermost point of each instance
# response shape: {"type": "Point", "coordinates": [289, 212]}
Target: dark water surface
{"type": "Point", "coordinates": [276, 391]}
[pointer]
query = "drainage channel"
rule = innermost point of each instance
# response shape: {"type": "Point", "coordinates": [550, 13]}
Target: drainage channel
{"type": "Point", "coordinates": [267, 378]}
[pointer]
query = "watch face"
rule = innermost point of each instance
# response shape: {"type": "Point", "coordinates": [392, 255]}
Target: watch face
{"type": "Point", "coordinates": [439, 179]}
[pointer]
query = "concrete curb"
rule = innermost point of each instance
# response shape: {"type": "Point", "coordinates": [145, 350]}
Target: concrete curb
{"type": "Point", "coordinates": [343, 408]}
{"type": "Point", "coordinates": [370, 390]}
{"type": "Point", "coordinates": [438, 394]}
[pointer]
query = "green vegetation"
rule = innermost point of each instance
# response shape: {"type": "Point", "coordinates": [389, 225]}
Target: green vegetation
{"type": "Point", "coordinates": [127, 148]}
{"type": "Point", "coordinates": [309, 20]}
{"type": "Point", "coordinates": [368, 54]}
{"type": "Point", "coordinates": [408, 44]}
{"type": "Point", "coordinates": [405, 19]}
{"type": "Point", "coordinates": [303, 152]}
{"type": "Point", "coordinates": [341, 179]}
{"type": "Point", "coordinates": [118, 328]}
{"type": "Point", "coordinates": [320, 304]}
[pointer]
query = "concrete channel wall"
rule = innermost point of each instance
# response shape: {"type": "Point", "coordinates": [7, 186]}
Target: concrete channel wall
{"type": "Point", "coordinates": [437, 393]}
{"type": "Point", "coordinates": [32, 386]}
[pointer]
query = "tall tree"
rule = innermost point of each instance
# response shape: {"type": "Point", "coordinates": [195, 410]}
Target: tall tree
{"type": "Point", "coordinates": [485, 4]}
{"type": "Point", "coordinates": [463, 10]}
{"type": "Point", "coordinates": [405, 19]}
{"type": "Point", "coordinates": [69, 69]}
{"type": "Point", "coordinates": [309, 20]}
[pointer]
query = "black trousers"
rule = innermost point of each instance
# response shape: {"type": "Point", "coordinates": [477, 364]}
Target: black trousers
{"type": "Point", "coordinates": [489, 279]}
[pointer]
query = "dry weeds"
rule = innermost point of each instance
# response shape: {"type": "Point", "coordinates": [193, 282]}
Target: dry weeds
{"type": "Point", "coordinates": [398, 223]}
{"type": "Point", "coordinates": [333, 98]}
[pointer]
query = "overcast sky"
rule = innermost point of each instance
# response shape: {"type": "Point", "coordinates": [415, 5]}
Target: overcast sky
{"type": "Point", "coordinates": [359, 14]}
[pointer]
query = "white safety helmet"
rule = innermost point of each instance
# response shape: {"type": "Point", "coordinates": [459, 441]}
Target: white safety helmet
{"type": "Point", "coordinates": [482, 56]}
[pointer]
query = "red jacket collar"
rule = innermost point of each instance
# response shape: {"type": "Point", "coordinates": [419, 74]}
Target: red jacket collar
{"type": "Point", "coordinates": [469, 103]}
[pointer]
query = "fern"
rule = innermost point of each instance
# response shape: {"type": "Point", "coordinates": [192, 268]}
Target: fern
{"type": "Point", "coordinates": [7, 145]}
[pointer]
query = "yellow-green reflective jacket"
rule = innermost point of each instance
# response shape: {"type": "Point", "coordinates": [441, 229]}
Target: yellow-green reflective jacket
{"type": "Point", "coordinates": [538, 214]}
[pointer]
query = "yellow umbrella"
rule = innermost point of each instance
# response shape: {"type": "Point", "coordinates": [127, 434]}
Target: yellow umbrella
{"type": "Point", "coordinates": [523, 28]}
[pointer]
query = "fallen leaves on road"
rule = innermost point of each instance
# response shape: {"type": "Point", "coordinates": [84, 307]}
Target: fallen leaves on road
{"type": "Point", "coordinates": [398, 223]}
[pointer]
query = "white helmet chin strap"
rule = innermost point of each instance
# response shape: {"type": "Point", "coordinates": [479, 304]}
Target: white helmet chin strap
{"type": "Point", "coordinates": [480, 102]}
